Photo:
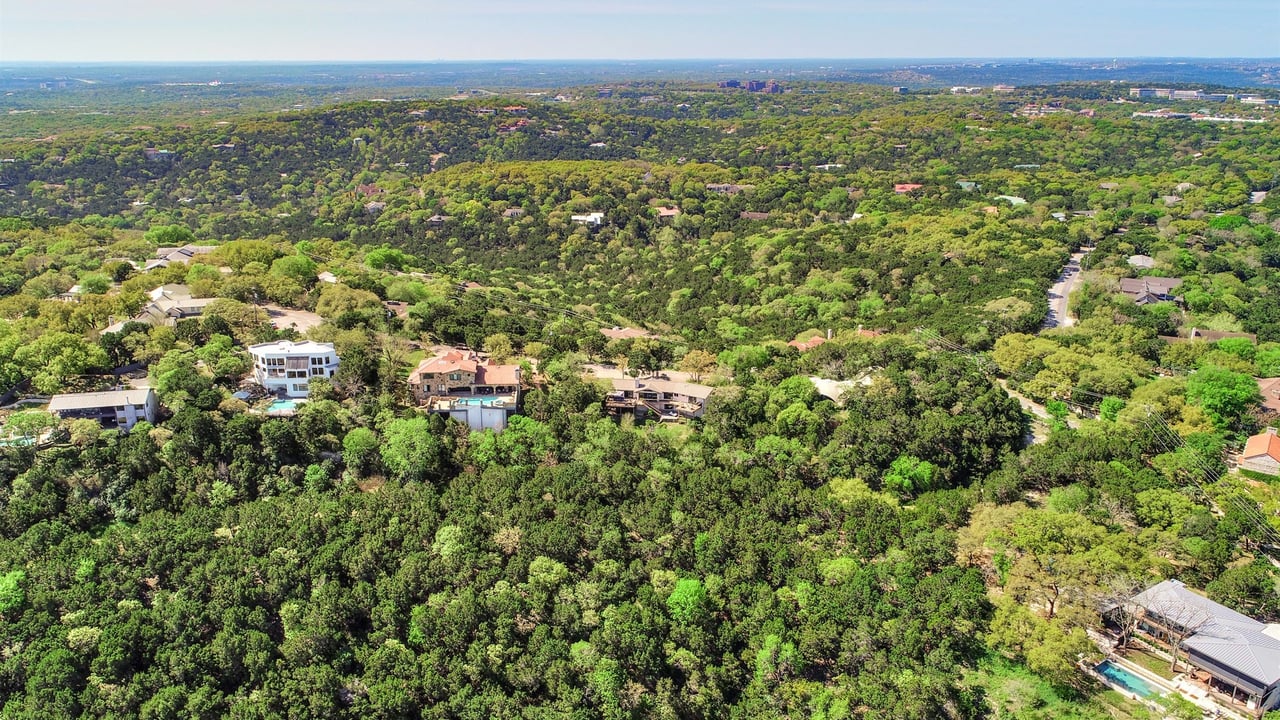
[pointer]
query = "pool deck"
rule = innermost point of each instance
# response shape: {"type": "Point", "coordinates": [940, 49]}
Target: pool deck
{"type": "Point", "coordinates": [273, 409]}
{"type": "Point", "coordinates": [1179, 686]}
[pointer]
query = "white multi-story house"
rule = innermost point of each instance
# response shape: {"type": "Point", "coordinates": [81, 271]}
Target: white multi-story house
{"type": "Point", "coordinates": [595, 219]}
{"type": "Point", "coordinates": [286, 367]}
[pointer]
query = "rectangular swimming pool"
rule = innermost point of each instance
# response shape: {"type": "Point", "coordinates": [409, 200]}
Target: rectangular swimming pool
{"type": "Point", "coordinates": [1125, 679]}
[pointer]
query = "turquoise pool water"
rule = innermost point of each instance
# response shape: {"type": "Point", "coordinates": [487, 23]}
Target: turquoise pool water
{"type": "Point", "coordinates": [484, 402]}
{"type": "Point", "coordinates": [280, 405]}
{"type": "Point", "coordinates": [1126, 679]}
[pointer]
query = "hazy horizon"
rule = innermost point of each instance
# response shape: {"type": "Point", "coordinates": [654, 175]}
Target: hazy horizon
{"type": "Point", "coordinates": [1011, 59]}
{"type": "Point", "coordinates": [409, 31]}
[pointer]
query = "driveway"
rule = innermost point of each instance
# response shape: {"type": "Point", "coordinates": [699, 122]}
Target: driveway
{"type": "Point", "coordinates": [1068, 280]}
{"type": "Point", "coordinates": [299, 320]}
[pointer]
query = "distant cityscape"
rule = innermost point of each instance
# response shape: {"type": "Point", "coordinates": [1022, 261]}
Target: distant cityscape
{"type": "Point", "coordinates": [769, 87]}
{"type": "Point", "coordinates": [1145, 93]}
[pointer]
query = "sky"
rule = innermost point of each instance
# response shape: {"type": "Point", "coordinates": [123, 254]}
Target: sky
{"type": "Point", "coordinates": [324, 30]}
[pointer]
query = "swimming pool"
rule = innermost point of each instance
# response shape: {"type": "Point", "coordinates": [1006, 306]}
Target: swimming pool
{"type": "Point", "coordinates": [482, 402]}
{"type": "Point", "coordinates": [283, 406]}
{"type": "Point", "coordinates": [1126, 680]}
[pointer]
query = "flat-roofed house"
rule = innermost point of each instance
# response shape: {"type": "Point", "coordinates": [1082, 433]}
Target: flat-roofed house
{"type": "Point", "coordinates": [286, 367]}
{"type": "Point", "coordinates": [594, 219]}
{"type": "Point", "coordinates": [667, 399]}
{"type": "Point", "coordinates": [113, 408]}
{"type": "Point", "coordinates": [1262, 453]}
{"type": "Point", "coordinates": [481, 393]}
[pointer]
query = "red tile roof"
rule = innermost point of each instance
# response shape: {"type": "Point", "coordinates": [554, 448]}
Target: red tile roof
{"type": "Point", "coordinates": [486, 371]}
{"type": "Point", "coordinates": [906, 187]}
{"type": "Point", "coordinates": [452, 361]}
{"type": "Point", "coordinates": [809, 344]}
{"type": "Point", "coordinates": [498, 375]}
{"type": "Point", "coordinates": [1267, 443]}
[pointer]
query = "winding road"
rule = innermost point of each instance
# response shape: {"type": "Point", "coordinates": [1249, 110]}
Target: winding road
{"type": "Point", "coordinates": [1061, 291]}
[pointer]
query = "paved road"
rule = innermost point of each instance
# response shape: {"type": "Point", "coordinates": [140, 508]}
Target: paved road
{"type": "Point", "coordinates": [1035, 409]}
{"type": "Point", "coordinates": [1061, 291]}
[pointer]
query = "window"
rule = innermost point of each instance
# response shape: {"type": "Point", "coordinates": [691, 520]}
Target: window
{"type": "Point", "coordinates": [455, 376]}
{"type": "Point", "coordinates": [317, 371]}
{"type": "Point", "coordinates": [318, 360]}
{"type": "Point", "coordinates": [299, 387]}
{"type": "Point", "coordinates": [274, 362]}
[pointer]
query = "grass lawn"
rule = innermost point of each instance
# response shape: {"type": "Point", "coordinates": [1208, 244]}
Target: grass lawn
{"type": "Point", "coordinates": [1148, 661]}
{"type": "Point", "coordinates": [411, 361]}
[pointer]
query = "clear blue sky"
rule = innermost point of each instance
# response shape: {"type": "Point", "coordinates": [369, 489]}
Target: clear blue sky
{"type": "Point", "coordinates": [227, 30]}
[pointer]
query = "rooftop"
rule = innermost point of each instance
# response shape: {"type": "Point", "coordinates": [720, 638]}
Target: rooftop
{"type": "Point", "coordinates": [1270, 389]}
{"type": "Point", "coordinates": [486, 372]}
{"type": "Point", "coordinates": [1144, 285]}
{"type": "Point", "coordinates": [1265, 443]}
{"type": "Point", "coordinates": [624, 333]}
{"type": "Point", "coordinates": [809, 344]}
{"type": "Point", "coordinates": [1231, 639]}
{"type": "Point", "coordinates": [109, 398]}
{"type": "Point", "coordinates": [702, 392]}
{"type": "Point", "coordinates": [285, 347]}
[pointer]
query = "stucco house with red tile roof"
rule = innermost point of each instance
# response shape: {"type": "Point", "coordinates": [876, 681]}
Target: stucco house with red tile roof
{"type": "Point", "coordinates": [459, 383]}
{"type": "Point", "coordinates": [1262, 453]}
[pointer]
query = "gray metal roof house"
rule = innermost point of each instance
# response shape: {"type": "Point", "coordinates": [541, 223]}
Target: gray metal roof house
{"type": "Point", "coordinates": [113, 408]}
{"type": "Point", "coordinates": [1238, 651]}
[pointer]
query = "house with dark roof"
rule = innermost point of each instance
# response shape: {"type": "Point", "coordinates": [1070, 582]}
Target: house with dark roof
{"type": "Point", "coordinates": [728, 188]}
{"type": "Point", "coordinates": [1150, 290]}
{"type": "Point", "coordinates": [1238, 656]}
{"type": "Point", "coordinates": [166, 256]}
{"type": "Point", "coordinates": [1262, 453]}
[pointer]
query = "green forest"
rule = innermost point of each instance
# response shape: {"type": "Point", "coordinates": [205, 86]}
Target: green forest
{"type": "Point", "coordinates": [936, 539]}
